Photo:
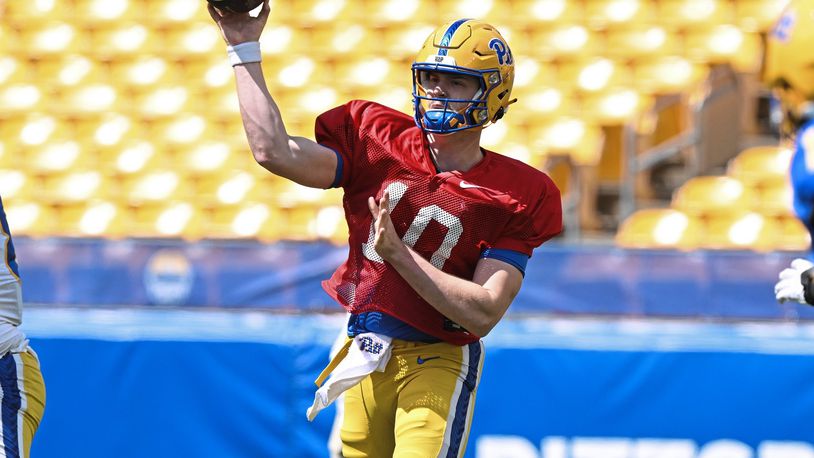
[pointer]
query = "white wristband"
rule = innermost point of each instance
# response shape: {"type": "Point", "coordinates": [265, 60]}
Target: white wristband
{"type": "Point", "coordinates": [244, 53]}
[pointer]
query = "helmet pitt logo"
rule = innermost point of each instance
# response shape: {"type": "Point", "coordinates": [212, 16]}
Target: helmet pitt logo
{"type": "Point", "coordinates": [504, 54]}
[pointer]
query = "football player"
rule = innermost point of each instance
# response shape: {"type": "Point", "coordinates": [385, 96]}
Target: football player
{"type": "Point", "coordinates": [789, 69]}
{"type": "Point", "coordinates": [22, 389]}
{"type": "Point", "coordinates": [440, 231]}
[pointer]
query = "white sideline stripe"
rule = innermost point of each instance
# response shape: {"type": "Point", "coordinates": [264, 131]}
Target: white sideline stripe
{"type": "Point", "coordinates": [18, 360]}
{"type": "Point", "coordinates": [539, 332]}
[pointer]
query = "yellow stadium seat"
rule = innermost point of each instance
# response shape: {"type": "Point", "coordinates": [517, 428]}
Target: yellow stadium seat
{"type": "Point", "coordinates": [228, 188]}
{"type": "Point", "coordinates": [56, 157]}
{"type": "Point", "coordinates": [694, 13]}
{"type": "Point", "coordinates": [70, 70]}
{"type": "Point", "coordinates": [642, 40]}
{"type": "Point", "coordinates": [131, 157]}
{"type": "Point", "coordinates": [725, 43]}
{"type": "Point", "coordinates": [165, 102]}
{"type": "Point", "coordinates": [775, 197]}
{"type": "Point", "coordinates": [569, 136]}
{"type": "Point", "coordinates": [281, 40]}
{"type": "Point", "coordinates": [758, 15]}
{"type": "Point", "coordinates": [301, 71]}
{"type": "Point", "coordinates": [344, 40]}
{"type": "Point", "coordinates": [74, 187]}
{"type": "Point", "coordinates": [565, 41]}
{"type": "Point", "coordinates": [206, 158]}
{"type": "Point", "coordinates": [309, 102]}
{"type": "Point", "coordinates": [88, 100]}
{"type": "Point", "coordinates": [248, 220]}
{"type": "Point", "coordinates": [144, 71]}
{"type": "Point", "coordinates": [494, 12]}
{"type": "Point", "coordinates": [207, 73]}
{"type": "Point", "coordinates": [405, 39]}
{"type": "Point", "coordinates": [16, 184]}
{"type": "Point", "coordinates": [292, 195]}
{"type": "Point", "coordinates": [22, 98]}
{"type": "Point", "coordinates": [793, 235]}
{"type": "Point", "coordinates": [741, 231]}
{"type": "Point", "coordinates": [619, 13]}
{"type": "Point", "coordinates": [49, 38]}
{"type": "Point", "coordinates": [315, 223]}
{"type": "Point", "coordinates": [102, 13]}
{"type": "Point", "coordinates": [97, 218]}
{"type": "Point", "coordinates": [396, 96]}
{"type": "Point", "coordinates": [759, 163]}
{"type": "Point", "coordinates": [119, 40]}
{"type": "Point", "coordinates": [171, 219]}
{"type": "Point", "coordinates": [181, 130]}
{"type": "Point", "coordinates": [155, 186]}
{"type": "Point", "coordinates": [34, 129]}
{"type": "Point", "coordinates": [667, 74]}
{"type": "Point", "coordinates": [9, 154]}
{"type": "Point", "coordinates": [534, 12]}
{"type": "Point", "coordinates": [109, 131]}
{"type": "Point", "coordinates": [222, 105]}
{"type": "Point", "coordinates": [530, 73]}
{"type": "Point", "coordinates": [594, 74]}
{"type": "Point", "coordinates": [310, 12]}
{"type": "Point", "coordinates": [192, 41]}
{"type": "Point", "coordinates": [711, 195]}
{"type": "Point", "coordinates": [30, 218]}
{"type": "Point", "coordinates": [15, 70]}
{"type": "Point", "coordinates": [615, 106]}
{"type": "Point", "coordinates": [659, 228]}
{"type": "Point", "coordinates": [23, 14]}
{"type": "Point", "coordinates": [330, 224]}
{"type": "Point", "coordinates": [368, 71]}
{"type": "Point", "coordinates": [175, 13]}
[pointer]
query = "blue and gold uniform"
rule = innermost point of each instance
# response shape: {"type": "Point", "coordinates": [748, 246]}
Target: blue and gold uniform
{"type": "Point", "coordinates": [22, 390]}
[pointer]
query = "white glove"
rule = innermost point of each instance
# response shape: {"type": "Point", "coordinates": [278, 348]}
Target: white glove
{"type": "Point", "coordinates": [790, 287]}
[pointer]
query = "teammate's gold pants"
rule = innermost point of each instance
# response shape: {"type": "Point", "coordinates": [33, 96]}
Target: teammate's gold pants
{"type": "Point", "coordinates": [419, 407]}
{"type": "Point", "coordinates": [22, 400]}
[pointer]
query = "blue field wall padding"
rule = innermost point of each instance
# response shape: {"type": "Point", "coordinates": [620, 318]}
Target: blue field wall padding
{"type": "Point", "coordinates": [286, 276]}
{"type": "Point", "coordinates": [168, 383]}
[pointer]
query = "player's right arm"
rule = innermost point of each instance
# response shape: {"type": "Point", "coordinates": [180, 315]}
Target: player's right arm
{"type": "Point", "coordinates": [299, 159]}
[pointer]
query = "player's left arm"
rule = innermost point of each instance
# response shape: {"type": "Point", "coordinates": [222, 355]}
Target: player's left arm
{"type": "Point", "coordinates": [477, 305]}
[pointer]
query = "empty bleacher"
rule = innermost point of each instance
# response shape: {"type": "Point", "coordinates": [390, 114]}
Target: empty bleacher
{"type": "Point", "coordinates": [123, 113]}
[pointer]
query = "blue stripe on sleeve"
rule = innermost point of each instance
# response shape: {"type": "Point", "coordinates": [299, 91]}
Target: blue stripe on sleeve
{"type": "Point", "coordinates": [340, 166]}
{"type": "Point", "coordinates": [515, 258]}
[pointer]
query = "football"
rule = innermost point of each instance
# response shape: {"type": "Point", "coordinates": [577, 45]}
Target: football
{"type": "Point", "coordinates": [235, 6]}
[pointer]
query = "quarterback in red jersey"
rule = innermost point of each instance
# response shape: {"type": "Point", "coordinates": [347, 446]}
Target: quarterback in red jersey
{"type": "Point", "coordinates": [440, 232]}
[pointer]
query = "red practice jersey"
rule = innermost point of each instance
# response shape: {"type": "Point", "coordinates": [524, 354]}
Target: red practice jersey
{"type": "Point", "coordinates": [449, 218]}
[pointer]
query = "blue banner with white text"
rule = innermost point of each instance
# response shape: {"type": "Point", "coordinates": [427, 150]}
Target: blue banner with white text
{"type": "Point", "coordinates": [166, 383]}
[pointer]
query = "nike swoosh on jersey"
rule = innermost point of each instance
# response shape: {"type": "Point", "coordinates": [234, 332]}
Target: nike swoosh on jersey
{"type": "Point", "coordinates": [421, 360]}
{"type": "Point", "coordinates": [466, 185]}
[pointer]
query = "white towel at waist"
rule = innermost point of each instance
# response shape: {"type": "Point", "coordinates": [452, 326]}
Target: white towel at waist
{"type": "Point", "coordinates": [359, 357]}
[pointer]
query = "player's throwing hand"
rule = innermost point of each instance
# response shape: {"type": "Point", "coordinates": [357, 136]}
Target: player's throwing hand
{"type": "Point", "coordinates": [236, 28]}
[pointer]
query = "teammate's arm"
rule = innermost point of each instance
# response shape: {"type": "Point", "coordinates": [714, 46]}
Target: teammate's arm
{"type": "Point", "coordinates": [296, 158]}
{"type": "Point", "coordinates": [477, 305]}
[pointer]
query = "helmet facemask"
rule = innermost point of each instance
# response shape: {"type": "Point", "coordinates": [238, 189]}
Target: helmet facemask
{"type": "Point", "coordinates": [456, 113]}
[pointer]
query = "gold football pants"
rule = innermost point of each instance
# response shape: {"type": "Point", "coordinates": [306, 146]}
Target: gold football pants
{"type": "Point", "coordinates": [420, 406]}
